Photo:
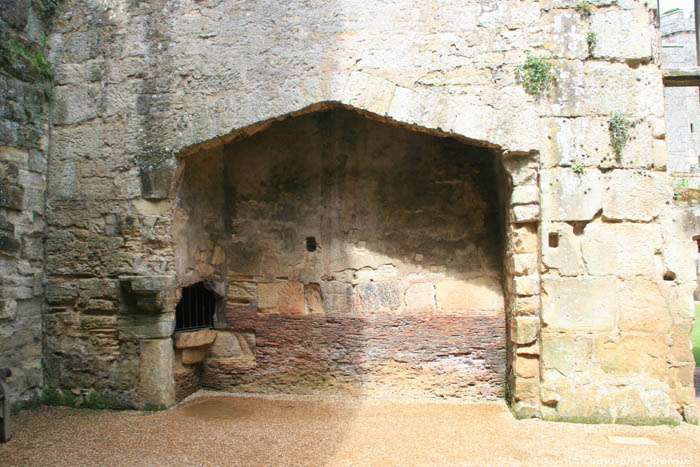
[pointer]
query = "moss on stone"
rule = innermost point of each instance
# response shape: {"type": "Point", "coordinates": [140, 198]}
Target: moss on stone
{"type": "Point", "coordinates": [23, 59]}
{"type": "Point", "coordinates": [151, 158]}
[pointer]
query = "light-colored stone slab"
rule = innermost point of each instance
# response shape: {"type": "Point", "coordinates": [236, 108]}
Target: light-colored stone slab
{"type": "Point", "coordinates": [477, 294]}
{"type": "Point", "coordinates": [632, 441]}
{"type": "Point", "coordinates": [624, 250]}
{"type": "Point", "coordinates": [571, 196]}
{"type": "Point", "coordinates": [190, 339]}
{"type": "Point", "coordinates": [574, 304]}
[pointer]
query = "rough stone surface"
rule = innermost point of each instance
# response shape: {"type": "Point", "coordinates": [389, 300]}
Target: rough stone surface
{"type": "Point", "coordinates": [343, 159]}
{"type": "Point", "coordinates": [24, 137]}
{"type": "Point", "coordinates": [185, 340]}
{"type": "Point", "coordinates": [156, 379]}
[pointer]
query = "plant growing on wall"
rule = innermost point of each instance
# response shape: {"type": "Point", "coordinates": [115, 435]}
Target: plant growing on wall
{"type": "Point", "coordinates": [619, 131]}
{"type": "Point", "coordinates": [583, 8]}
{"type": "Point", "coordinates": [592, 41]}
{"type": "Point", "coordinates": [536, 74]}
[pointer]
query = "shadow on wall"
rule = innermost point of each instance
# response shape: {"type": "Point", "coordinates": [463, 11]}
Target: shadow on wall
{"type": "Point", "coordinates": [360, 257]}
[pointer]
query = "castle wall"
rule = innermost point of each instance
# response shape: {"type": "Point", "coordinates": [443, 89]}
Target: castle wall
{"type": "Point", "coordinates": [597, 282]}
{"type": "Point", "coordinates": [24, 145]}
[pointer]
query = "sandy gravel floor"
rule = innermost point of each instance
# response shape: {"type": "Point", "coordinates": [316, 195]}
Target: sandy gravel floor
{"type": "Point", "coordinates": [242, 430]}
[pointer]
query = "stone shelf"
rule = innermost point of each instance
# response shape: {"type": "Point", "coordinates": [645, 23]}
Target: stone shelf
{"type": "Point", "coordinates": [681, 77]}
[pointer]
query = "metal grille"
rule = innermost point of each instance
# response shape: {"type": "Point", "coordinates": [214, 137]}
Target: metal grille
{"type": "Point", "coordinates": [196, 308]}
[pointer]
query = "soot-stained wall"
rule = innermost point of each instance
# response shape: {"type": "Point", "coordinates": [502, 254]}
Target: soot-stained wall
{"type": "Point", "coordinates": [359, 256]}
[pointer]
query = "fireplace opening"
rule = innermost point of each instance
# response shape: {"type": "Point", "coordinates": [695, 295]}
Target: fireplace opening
{"type": "Point", "coordinates": [196, 308]}
{"type": "Point", "coordinates": [359, 256]}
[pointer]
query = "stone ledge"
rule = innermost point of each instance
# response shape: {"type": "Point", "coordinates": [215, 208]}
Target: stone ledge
{"type": "Point", "coordinates": [149, 294]}
{"type": "Point", "coordinates": [681, 77]}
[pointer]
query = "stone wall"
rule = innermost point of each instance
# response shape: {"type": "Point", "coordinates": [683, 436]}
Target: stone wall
{"type": "Point", "coordinates": [682, 104]}
{"type": "Point", "coordinates": [24, 144]}
{"type": "Point", "coordinates": [597, 282]}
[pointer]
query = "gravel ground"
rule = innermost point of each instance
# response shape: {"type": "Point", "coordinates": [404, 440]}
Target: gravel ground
{"type": "Point", "coordinates": [217, 429]}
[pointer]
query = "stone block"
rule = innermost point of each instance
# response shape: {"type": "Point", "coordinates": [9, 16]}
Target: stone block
{"type": "Point", "coordinates": [155, 180]}
{"type": "Point", "coordinates": [681, 346]}
{"type": "Point", "coordinates": [15, 13]}
{"type": "Point", "coordinates": [194, 355]}
{"type": "Point", "coordinates": [186, 340]}
{"type": "Point", "coordinates": [634, 196]}
{"type": "Point", "coordinates": [156, 377]}
{"type": "Point", "coordinates": [281, 297]}
{"type": "Point", "coordinates": [660, 152]}
{"type": "Point", "coordinates": [337, 297]}
{"type": "Point", "coordinates": [561, 249]}
{"type": "Point", "coordinates": [524, 306]}
{"type": "Point", "coordinates": [147, 326]}
{"type": "Point", "coordinates": [477, 294]}
{"type": "Point", "coordinates": [525, 194]}
{"type": "Point", "coordinates": [623, 35]}
{"type": "Point", "coordinates": [313, 298]}
{"type": "Point", "coordinates": [633, 355]}
{"type": "Point", "coordinates": [526, 389]}
{"type": "Point", "coordinates": [625, 250]}
{"type": "Point", "coordinates": [74, 104]}
{"type": "Point", "coordinates": [11, 196]}
{"type": "Point", "coordinates": [571, 196]}
{"type": "Point", "coordinates": [370, 93]}
{"type": "Point", "coordinates": [233, 344]}
{"type": "Point", "coordinates": [525, 329]}
{"type": "Point", "coordinates": [420, 298]}
{"type": "Point", "coordinates": [378, 297]}
{"type": "Point", "coordinates": [522, 264]}
{"type": "Point", "coordinates": [523, 239]}
{"type": "Point", "coordinates": [680, 260]}
{"type": "Point", "coordinates": [525, 213]}
{"type": "Point", "coordinates": [642, 307]}
{"type": "Point", "coordinates": [564, 353]}
{"type": "Point", "coordinates": [526, 367]}
{"type": "Point", "coordinates": [573, 304]}
{"type": "Point", "coordinates": [567, 140]}
{"type": "Point", "coordinates": [526, 286]}
{"type": "Point", "coordinates": [9, 244]}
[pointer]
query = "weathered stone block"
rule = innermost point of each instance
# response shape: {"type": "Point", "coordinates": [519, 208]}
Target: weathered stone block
{"type": "Point", "coordinates": [573, 304]}
{"type": "Point", "coordinates": [633, 355]}
{"type": "Point", "coordinates": [564, 353]}
{"type": "Point", "coordinates": [378, 297]}
{"type": "Point", "coordinates": [523, 239]}
{"type": "Point", "coordinates": [156, 378]}
{"type": "Point", "coordinates": [524, 306]}
{"type": "Point", "coordinates": [526, 213]}
{"type": "Point", "coordinates": [15, 13]}
{"type": "Point", "coordinates": [525, 329]}
{"type": "Point", "coordinates": [420, 298]}
{"type": "Point", "coordinates": [194, 355]}
{"type": "Point", "coordinates": [281, 297]}
{"type": "Point", "coordinates": [147, 326]}
{"type": "Point", "coordinates": [476, 294]}
{"type": "Point", "coordinates": [526, 389]}
{"type": "Point", "coordinates": [522, 264]}
{"type": "Point", "coordinates": [680, 261]}
{"type": "Point", "coordinates": [571, 196]}
{"type": "Point", "coordinates": [185, 340]}
{"type": "Point", "coordinates": [9, 245]}
{"type": "Point", "coordinates": [613, 29]}
{"type": "Point", "coordinates": [11, 196]}
{"type": "Point", "coordinates": [313, 298]}
{"type": "Point", "coordinates": [155, 181]}
{"type": "Point", "coordinates": [230, 344]}
{"type": "Point", "coordinates": [561, 249]}
{"type": "Point", "coordinates": [526, 286]}
{"type": "Point", "coordinates": [642, 307]}
{"type": "Point", "coordinates": [526, 367]}
{"type": "Point", "coordinates": [525, 194]}
{"type": "Point", "coordinates": [625, 250]}
{"type": "Point", "coordinates": [630, 195]}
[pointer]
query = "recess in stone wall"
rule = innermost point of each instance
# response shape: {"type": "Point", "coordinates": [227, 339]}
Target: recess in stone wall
{"type": "Point", "coordinates": [359, 257]}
